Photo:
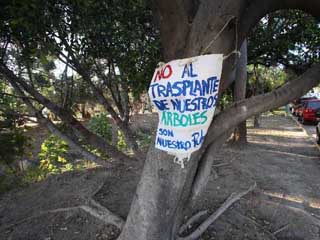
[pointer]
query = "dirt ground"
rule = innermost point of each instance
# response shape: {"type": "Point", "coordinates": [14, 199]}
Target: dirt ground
{"type": "Point", "coordinates": [279, 157]}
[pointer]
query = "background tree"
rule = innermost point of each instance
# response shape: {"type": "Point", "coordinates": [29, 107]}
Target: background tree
{"type": "Point", "coordinates": [285, 39]}
{"type": "Point", "coordinates": [110, 45]}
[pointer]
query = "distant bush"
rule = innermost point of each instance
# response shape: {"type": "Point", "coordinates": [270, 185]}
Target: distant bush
{"type": "Point", "coordinates": [121, 144]}
{"type": "Point", "coordinates": [143, 139]}
{"type": "Point", "coordinates": [12, 148]}
{"type": "Point", "coordinates": [53, 156]}
{"type": "Point", "coordinates": [100, 125]}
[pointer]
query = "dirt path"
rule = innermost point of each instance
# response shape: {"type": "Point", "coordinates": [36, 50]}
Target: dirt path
{"type": "Point", "coordinates": [279, 157]}
{"type": "Point", "coordinates": [285, 163]}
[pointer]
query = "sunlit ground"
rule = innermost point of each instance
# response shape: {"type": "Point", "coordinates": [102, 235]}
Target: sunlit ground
{"type": "Point", "coordinates": [312, 202]}
{"type": "Point", "coordinates": [293, 140]}
{"type": "Point", "coordinates": [277, 133]}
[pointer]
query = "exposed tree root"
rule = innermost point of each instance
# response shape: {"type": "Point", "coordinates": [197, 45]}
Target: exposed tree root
{"type": "Point", "coordinates": [234, 197]}
{"type": "Point", "coordinates": [192, 220]}
{"type": "Point", "coordinates": [221, 164]}
{"type": "Point", "coordinates": [95, 210]}
{"type": "Point", "coordinates": [100, 212]}
{"type": "Point", "coordinates": [97, 190]}
{"type": "Point", "coordinates": [285, 227]}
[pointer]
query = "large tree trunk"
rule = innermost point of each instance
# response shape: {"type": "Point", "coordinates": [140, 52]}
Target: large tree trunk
{"type": "Point", "coordinates": [187, 28]}
{"type": "Point", "coordinates": [164, 188]}
{"type": "Point", "coordinates": [239, 93]}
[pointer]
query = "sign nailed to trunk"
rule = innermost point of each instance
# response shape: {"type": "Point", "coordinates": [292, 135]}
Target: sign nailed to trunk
{"type": "Point", "coordinates": [185, 93]}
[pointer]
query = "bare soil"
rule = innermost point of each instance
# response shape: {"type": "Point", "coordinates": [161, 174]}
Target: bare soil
{"type": "Point", "coordinates": [279, 157]}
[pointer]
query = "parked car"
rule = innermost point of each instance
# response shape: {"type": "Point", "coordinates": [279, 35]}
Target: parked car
{"type": "Point", "coordinates": [308, 111]}
{"type": "Point", "coordinates": [297, 104]}
{"type": "Point", "coordinates": [318, 133]}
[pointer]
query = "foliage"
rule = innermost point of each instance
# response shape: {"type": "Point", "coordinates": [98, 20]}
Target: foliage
{"type": "Point", "coordinates": [116, 37]}
{"type": "Point", "coordinates": [264, 79]}
{"type": "Point", "coordinates": [290, 38]}
{"type": "Point", "coordinates": [54, 159]}
{"type": "Point", "coordinates": [225, 99]}
{"type": "Point", "coordinates": [76, 51]}
{"type": "Point", "coordinates": [12, 145]}
{"type": "Point", "coordinates": [53, 156]}
{"type": "Point", "coordinates": [100, 125]}
{"type": "Point", "coordinates": [13, 141]}
{"type": "Point", "coordinates": [121, 144]}
{"type": "Point", "coordinates": [144, 139]}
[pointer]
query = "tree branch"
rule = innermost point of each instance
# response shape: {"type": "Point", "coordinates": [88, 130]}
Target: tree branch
{"type": "Point", "coordinates": [66, 116]}
{"type": "Point", "coordinates": [240, 111]}
{"type": "Point", "coordinates": [102, 214]}
{"type": "Point", "coordinates": [103, 101]}
{"type": "Point", "coordinates": [16, 96]}
{"type": "Point", "coordinates": [73, 143]}
{"type": "Point", "coordinates": [234, 197]}
{"type": "Point", "coordinates": [192, 220]}
{"type": "Point", "coordinates": [205, 166]}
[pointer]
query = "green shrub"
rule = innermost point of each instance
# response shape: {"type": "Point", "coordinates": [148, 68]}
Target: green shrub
{"type": "Point", "coordinates": [100, 125]}
{"type": "Point", "coordinates": [143, 139]}
{"type": "Point", "coordinates": [53, 156]}
{"type": "Point", "coordinates": [12, 145]}
{"type": "Point", "coordinates": [12, 148]}
{"type": "Point", "coordinates": [121, 145]}
{"type": "Point", "coordinates": [53, 159]}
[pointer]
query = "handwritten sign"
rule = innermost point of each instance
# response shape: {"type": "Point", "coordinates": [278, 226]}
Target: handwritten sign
{"type": "Point", "coordinates": [185, 93]}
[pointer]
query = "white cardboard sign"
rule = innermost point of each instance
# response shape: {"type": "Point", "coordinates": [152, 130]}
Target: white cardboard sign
{"type": "Point", "coordinates": [185, 93]}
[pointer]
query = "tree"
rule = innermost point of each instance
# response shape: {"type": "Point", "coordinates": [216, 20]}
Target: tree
{"type": "Point", "coordinates": [165, 190]}
{"type": "Point", "coordinates": [287, 39]}
{"type": "Point", "coordinates": [109, 44]}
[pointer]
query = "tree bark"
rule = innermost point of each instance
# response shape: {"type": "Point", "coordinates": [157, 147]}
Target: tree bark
{"type": "Point", "coordinates": [240, 132]}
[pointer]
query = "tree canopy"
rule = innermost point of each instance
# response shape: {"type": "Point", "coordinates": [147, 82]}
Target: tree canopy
{"type": "Point", "coordinates": [289, 38]}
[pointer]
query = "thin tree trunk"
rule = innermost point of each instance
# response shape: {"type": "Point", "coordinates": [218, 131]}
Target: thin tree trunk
{"type": "Point", "coordinates": [240, 132]}
{"type": "Point", "coordinates": [256, 123]}
{"type": "Point", "coordinates": [258, 89]}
